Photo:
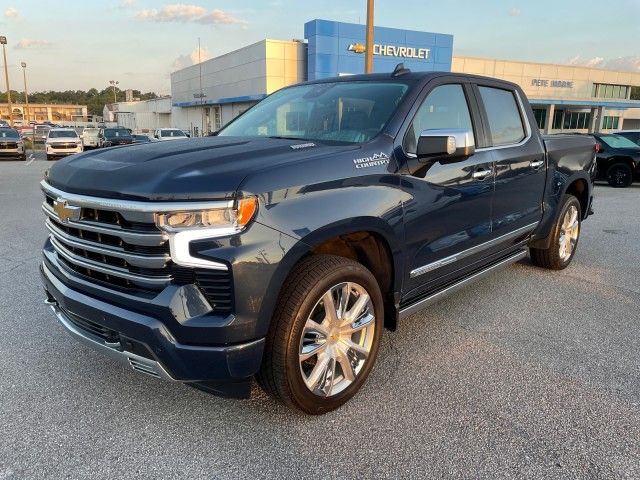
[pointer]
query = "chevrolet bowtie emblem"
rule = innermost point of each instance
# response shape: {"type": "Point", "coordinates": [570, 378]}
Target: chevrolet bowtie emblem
{"type": "Point", "coordinates": [357, 48]}
{"type": "Point", "coordinates": [64, 211]}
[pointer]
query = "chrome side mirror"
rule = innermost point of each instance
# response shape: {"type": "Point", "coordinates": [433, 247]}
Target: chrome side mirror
{"type": "Point", "coordinates": [445, 144]}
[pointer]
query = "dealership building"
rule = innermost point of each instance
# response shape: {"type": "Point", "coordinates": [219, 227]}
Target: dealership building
{"type": "Point", "coordinates": [206, 96]}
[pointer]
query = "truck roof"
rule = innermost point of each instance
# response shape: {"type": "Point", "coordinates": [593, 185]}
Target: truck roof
{"type": "Point", "coordinates": [408, 75]}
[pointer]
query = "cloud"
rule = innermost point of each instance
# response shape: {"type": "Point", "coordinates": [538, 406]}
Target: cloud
{"type": "Point", "coordinates": [11, 12]}
{"type": "Point", "coordinates": [26, 43]}
{"type": "Point", "coordinates": [628, 64]}
{"type": "Point", "coordinates": [184, 61]}
{"type": "Point", "coordinates": [514, 12]}
{"type": "Point", "coordinates": [127, 3]}
{"type": "Point", "coordinates": [183, 13]}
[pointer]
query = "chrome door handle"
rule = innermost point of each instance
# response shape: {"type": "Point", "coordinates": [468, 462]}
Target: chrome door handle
{"type": "Point", "coordinates": [481, 174]}
{"type": "Point", "coordinates": [536, 163]}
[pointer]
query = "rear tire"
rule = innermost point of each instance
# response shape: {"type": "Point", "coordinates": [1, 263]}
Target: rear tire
{"type": "Point", "coordinates": [324, 334]}
{"type": "Point", "coordinates": [620, 175]}
{"type": "Point", "coordinates": [564, 237]}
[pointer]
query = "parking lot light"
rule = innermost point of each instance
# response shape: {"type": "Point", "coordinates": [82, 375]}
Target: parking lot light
{"type": "Point", "coordinates": [25, 117]}
{"type": "Point", "coordinates": [3, 42]}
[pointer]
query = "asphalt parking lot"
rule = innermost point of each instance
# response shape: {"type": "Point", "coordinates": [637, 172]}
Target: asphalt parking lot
{"type": "Point", "coordinates": [527, 374]}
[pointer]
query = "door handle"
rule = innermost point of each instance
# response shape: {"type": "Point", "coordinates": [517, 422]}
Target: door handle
{"type": "Point", "coordinates": [536, 163]}
{"type": "Point", "coordinates": [481, 174]}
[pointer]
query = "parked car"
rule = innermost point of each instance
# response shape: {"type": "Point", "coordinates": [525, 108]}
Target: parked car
{"type": "Point", "coordinates": [90, 137]}
{"type": "Point", "coordinates": [164, 134]}
{"type": "Point", "coordinates": [11, 144]}
{"type": "Point", "coordinates": [140, 138]}
{"type": "Point", "coordinates": [282, 247]}
{"type": "Point", "coordinates": [111, 137]}
{"type": "Point", "coordinates": [618, 159]}
{"type": "Point", "coordinates": [62, 142]}
{"type": "Point", "coordinates": [633, 135]}
{"type": "Point", "coordinates": [4, 124]}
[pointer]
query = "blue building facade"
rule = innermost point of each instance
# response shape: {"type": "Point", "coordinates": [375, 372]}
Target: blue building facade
{"type": "Point", "coordinates": [336, 48]}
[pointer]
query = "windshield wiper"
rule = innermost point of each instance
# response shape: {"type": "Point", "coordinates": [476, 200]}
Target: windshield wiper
{"type": "Point", "coordinates": [283, 137]}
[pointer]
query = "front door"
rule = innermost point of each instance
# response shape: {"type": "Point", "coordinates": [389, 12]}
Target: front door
{"type": "Point", "coordinates": [448, 214]}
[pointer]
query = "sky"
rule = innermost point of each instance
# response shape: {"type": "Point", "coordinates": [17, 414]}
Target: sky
{"type": "Point", "coordinates": [80, 44]}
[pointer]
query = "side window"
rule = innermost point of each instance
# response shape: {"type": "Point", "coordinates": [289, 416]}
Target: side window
{"type": "Point", "coordinates": [504, 117]}
{"type": "Point", "coordinates": [445, 107]}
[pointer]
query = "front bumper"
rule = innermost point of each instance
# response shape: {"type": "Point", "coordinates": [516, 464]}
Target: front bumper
{"type": "Point", "coordinates": [11, 153]}
{"type": "Point", "coordinates": [145, 344]}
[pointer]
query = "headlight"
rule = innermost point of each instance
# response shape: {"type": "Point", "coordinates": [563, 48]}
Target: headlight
{"type": "Point", "coordinates": [231, 218]}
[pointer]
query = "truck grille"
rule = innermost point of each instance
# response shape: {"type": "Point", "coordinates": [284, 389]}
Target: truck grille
{"type": "Point", "coordinates": [103, 245]}
{"type": "Point", "coordinates": [8, 146]}
{"type": "Point", "coordinates": [63, 145]}
{"type": "Point", "coordinates": [124, 250]}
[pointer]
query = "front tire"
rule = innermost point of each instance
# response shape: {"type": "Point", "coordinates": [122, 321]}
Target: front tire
{"type": "Point", "coordinates": [620, 175]}
{"type": "Point", "coordinates": [324, 335]}
{"type": "Point", "coordinates": [564, 237]}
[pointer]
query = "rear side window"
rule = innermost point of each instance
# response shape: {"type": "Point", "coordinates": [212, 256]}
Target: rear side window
{"type": "Point", "coordinates": [505, 121]}
{"type": "Point", "coordinates": [445, 107]}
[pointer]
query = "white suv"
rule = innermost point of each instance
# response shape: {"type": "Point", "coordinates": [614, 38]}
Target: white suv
{"type": "Point", "coordinates": [163, 134]}
{"type": "Point", "coordinates": [61, 142]}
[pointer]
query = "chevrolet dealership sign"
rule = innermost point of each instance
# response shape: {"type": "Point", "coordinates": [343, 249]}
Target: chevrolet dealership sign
{"type": "Point", "coordinates": [392, 51]}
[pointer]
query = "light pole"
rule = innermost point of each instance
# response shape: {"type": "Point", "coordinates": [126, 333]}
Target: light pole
{"type": "Point", "coordinates": [26, 92]}
{"type": "Point", "coordinates": [3, 41]}
{"type": "Point", "coordinates": [368, 51]}
{"type": "Point", "coordinates": [114, 84]}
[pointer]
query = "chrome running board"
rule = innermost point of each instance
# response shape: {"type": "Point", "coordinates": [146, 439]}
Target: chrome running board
{"type": "Point", "coordinates": [420, 304]}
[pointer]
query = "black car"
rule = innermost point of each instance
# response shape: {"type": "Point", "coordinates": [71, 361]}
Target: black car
{"type": "Point", "coordinates": [618, 159]}
{"type": "Point", "coordinates": [110, 137]}
{"type": "Point", "coordinates": [633, 135]}
{"type": "Point", "coordinates": [137, 138]}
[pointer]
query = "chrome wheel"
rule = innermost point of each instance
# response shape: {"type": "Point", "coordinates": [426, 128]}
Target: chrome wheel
{"type": "Point", "coordinates": [336, 339]}
{"type": "Point", "coordinates": [569, 232]}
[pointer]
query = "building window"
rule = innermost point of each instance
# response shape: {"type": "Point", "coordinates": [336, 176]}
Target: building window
{"type": "Point", "coordinates": [604, 90]}
{"type": "Point", "coordinates": [610, 123]}
{"type": "Point", "coordinates": [576, 120]}
{"type": "Point", "coordinates": [557, 119]}
{"type": "Point", "coordinates": [217, 118]}
{"type": "Point", "coordinates": [541, 116]}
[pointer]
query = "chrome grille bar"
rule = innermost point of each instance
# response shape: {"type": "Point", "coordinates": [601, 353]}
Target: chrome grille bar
{"type": "Point", "coordinates": [137, 260]}
{"type": "Point", "coordinates": [128, 236]}
{"type": "Point", "coordinates": [147, 280]}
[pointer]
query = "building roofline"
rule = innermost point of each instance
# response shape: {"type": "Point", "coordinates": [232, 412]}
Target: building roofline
{"type": "Point", "coordinates": [565, 65]}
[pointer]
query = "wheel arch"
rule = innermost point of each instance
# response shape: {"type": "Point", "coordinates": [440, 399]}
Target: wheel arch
{"type": "Point", "coordinates": [367, 240]}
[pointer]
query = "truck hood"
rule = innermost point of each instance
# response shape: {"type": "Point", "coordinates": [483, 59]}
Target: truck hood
{"type": "Point", "coordinates": [197, 169]}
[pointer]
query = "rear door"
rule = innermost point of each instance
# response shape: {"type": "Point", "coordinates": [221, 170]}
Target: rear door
{"type": "Point", "coordinates": [520, 170]}
{"type": "Point", "coordinates": [447, 215]}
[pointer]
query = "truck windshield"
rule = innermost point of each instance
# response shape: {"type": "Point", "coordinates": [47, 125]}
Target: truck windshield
{"type": "Point", "coordinates": [349, 112]}
{"type": "Point", "coordinates": [62, 134]}
{"type": "Point", "coordinates": [116, 132]}
{"type": "Point", "coordinates": [617, 141]}
{"type": "Point", "coordinates": [8, 133]}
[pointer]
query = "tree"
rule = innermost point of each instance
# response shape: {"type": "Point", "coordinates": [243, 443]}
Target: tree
{"type": "Point", "coordinates": [94, 99]}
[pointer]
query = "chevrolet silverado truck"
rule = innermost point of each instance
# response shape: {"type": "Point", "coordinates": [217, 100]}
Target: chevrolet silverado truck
{"type": "Point", "coordinates": [283, 247]}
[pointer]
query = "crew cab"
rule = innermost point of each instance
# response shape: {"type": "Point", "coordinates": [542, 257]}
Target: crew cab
{"type": "Point", "coordinates": [61, 142]}
{"type": "Point", "coordinates": [167, 134]}
{"type": "Point", "coordinates": [283, 247]}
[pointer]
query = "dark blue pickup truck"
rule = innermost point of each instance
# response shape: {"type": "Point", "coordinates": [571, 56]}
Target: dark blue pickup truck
{"type": "Point", "coordinates": [283, 247]}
